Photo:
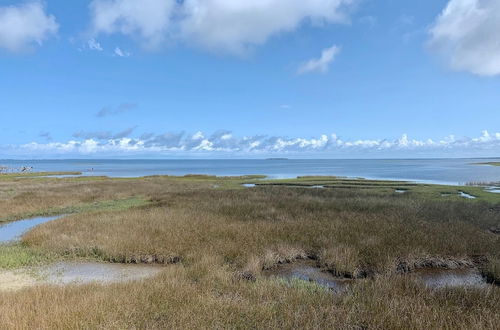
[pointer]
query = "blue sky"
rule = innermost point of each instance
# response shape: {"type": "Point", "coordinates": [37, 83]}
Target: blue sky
{"type": "Point", "coordinates": [224, 78]}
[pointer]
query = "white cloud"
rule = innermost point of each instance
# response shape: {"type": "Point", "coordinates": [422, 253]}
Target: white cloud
{"type": "Point", "coordinates": [467, 35]}
{"type": "Point", "coordinates": [94, 45]}
{"type": "Point", "coordinates": [226, 142]}
{"type": "Point", "coordinates": [321, 64]}
{"type": "Point", "coordinates": [147, 20]}
{"type": "Point", "coordinates": [233, 26]}
{"type": "Point", "coordinates": [23, 25]}
{"type": "Point", "coordinates": [121, 53]}
{"type": "Point", "coordinates": [217, 25]}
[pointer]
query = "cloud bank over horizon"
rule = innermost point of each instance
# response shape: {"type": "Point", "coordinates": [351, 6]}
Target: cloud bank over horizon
{"type": "Point", "coordinates": [224, 143]}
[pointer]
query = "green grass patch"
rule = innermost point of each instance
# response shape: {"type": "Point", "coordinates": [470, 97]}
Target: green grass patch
{"type": "Point", "coordinates": [431, 191]}
{"type": "Point", "coordinates": [13, 256]}
{"type": "Point", "coordinates": [98, 206]}
{"type": "Point", "coordinates": [35, 174]}
{"type": "Point", "coordinates": [489, 163]}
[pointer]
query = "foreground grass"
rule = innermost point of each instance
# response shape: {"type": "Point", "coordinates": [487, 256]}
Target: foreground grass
{"type": "Point", "coordinates": [208, 296]}
{"type": "Point", "coordinates": [355, 228]}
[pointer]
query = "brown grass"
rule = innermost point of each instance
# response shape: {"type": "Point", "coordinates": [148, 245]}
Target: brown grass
{"type": "Point", "coordinates": [21, 197]}
{"type": "Point", "coordinates": [350, 232]}
{"type": "Point", "coordinates": [204, 296]}
{"type": "Point", "coordinates": [220, 233]}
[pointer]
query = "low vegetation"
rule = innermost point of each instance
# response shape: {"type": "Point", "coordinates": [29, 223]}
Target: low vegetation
{"type": "Point", "coordinates": [14, 256]}
{"type": "Point", "coordinates": [489, 163]}
{"type": "Point", "coordinates": [20, 175]}
{"type": "Point", "coordinates": [215, 238]}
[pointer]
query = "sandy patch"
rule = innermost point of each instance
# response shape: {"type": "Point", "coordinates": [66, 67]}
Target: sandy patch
{"type": "Point", "coordinates": [15, 280]}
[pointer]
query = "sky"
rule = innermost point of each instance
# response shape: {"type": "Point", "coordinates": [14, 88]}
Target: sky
{"type": "Point", "coordinates": [249, 79]}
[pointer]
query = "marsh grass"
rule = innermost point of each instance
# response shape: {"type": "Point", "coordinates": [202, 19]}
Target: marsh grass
{"type": "Point", "coordinates": [206, 296]}
{"type": "Point", "coordinates": [98, 206]}
{"type": "Point", "coordinates": [17, 175]}
{"type": "Point", "coordinates": [217, 234]}
{"type": "Point", "coordinates": [385, 186]}
{"type": "Point", "coordinates": [489, 163]}
{"type": "Point", "coordinates": [352, 232]}
{"type": "Point", "coordinates": [491, 271]}
{"type": "Point", "coordinates": [14, 256]}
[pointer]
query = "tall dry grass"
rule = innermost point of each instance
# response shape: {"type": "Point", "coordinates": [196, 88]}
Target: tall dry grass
{"type": "Point", "coordinates": [352, 233]}
{"type": "Point", "coordinates": [23, 197]}
{"type": "Point", "coordinates": [205, 296]}
{"type": "Point", "coordinates": [219, 233]}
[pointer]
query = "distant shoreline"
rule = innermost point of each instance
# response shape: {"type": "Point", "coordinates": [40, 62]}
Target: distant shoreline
{"type": "Point", "coordinates": [489, 163]}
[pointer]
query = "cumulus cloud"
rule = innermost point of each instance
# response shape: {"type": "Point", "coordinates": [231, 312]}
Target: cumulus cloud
{"type": "Point", "coordinates": [321, 64]}
{"type": "Point", "coordinates": [467, 35]}
{"type": "Point", "coordinates": [94, 45]}
{"type": "Point", "coordinates": [146, 20]}
{"type": "Point", "coordinates": [23, 25]}
{"type": "Point", "coordinates": [111, 111]}
{"type": "Point", "coordinates": [234, 25]}
{"type": "Point", "coordinates": [226, 142]}
{"type": "Point", "coordinates": [218, 25]}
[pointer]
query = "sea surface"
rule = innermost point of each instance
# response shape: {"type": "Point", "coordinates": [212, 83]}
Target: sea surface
{"type": "Point", "coordinates": [443, 171]}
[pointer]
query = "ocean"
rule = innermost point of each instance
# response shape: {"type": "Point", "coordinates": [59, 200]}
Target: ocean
{"type": "Point", "coordinates": [442, 171]}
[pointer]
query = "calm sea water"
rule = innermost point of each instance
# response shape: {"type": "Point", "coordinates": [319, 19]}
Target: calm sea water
{"type": "Point", "coordinates": [446, 171]}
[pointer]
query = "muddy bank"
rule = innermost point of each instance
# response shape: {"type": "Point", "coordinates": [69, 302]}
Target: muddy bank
{"type": "Point", "coordinates": [474, 271]}
{"type": "Point", "coordinates": [81, 273]}
{"type": "Point", "coordinates": [64, 273]}
{"type": "Point", "coordinates": [147, 259]}
{"type": "Point", "coordinates": [406, 266]}
{"type": "Point", "coordinates": [15, 280]}
{"type": "Point", "coordinates": [431, 277]}
{"type": "Point", "coordinates": [495, 230]}
{"type": "Point", "coordinates": [449, 278]}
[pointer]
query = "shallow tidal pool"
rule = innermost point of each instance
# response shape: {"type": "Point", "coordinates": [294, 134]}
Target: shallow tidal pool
{"type": "Point", "coordinates": [11, 231]}
{"type": "Point", "coordinates": [65, 273]}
